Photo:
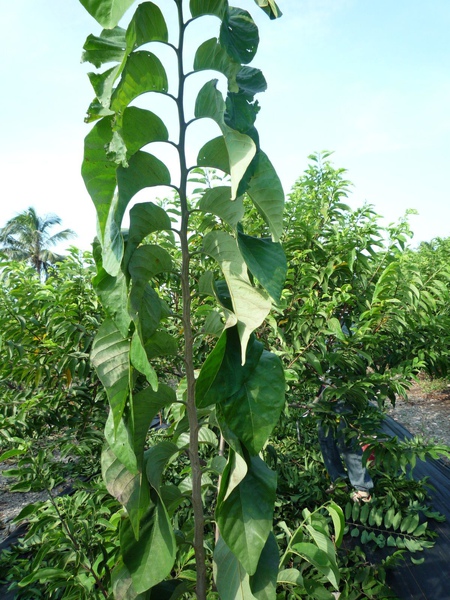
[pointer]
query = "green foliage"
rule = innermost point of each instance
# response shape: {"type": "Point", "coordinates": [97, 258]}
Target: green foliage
{"type": "Point", "coordinates": [149, 281]}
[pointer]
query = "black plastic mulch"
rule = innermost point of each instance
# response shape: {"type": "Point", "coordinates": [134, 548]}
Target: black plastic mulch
{"type": "Point", "coordinates": [431, 579]}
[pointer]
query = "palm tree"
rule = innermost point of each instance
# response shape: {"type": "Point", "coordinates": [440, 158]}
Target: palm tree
{"type": "Point", "coordinates": [26, 237]}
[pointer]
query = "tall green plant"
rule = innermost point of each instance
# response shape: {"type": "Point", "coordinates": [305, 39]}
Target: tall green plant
{"type": "Point", "coordinates": [240, 386]}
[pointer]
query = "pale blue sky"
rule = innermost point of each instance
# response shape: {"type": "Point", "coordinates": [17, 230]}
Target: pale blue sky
{"type": "Point", "coordinates": [369, 80]}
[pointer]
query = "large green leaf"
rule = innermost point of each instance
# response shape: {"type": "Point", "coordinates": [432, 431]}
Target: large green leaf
{"type": "Point", "coordinates": [208, 7]}
{"type": "Point", "coordinates": [214, 154]}
{"type": "Point", "coordinates": [113, 294]}
{"type": "Point", "coordinates": [99, 173]}
{"type": "Point", "coordinates": [264, 582]}
{"type": "Point", "coordinates": [231, 580]}
{"type": "Point", "coordinates": [139, 360]}
{"type": "Point", "coordinates": [253, 411]}
{"type": "Point", "coordinates": [223, 375]}
{"type": "Point", "coordinates": [267, 194]}
{"type": "Point", "coordinates": [146, 405]}
{"type": "Point", "coordinates": [130, 489]}
{"type": "Point", "coordinates": [240, 147]}
{"type": "Point", "coordinates": [147, 25]}
{"type": "Point", "coordinates": [145, 309]}
{"type": "Point", "coordinates": [150, 559]}
{"type": "Point", "coordinates": [143, 72]}
{"type": "Point", "coordinates": [147, 261]}
{"type": "Point", "coordinates": [250, 305]}
{"type": "Point", "coordinates": [122, 584]}
{"type": "Point", "coordinates": [156, 459]}
{"type": "Point", "coordinates": [111, 359]}
{"type": "Point", "coordinates": [161, 343]}
{"type": "Point", "coordinates": [107, 12]}
{"type": "Point", "coordinates": [320, 559]}
{"type": "Point", "coordinates": [239, 35]}
{"type": "Point", "coordinates": [217, 201]}
{"type": "Point", "coordinates": [120, 441]}
{"type": "Point", "coordinates": [109, 46]}
{"type": "Point", "coordinates": [141, 127]}
{"type": "Point", "coordinates": [266, 261]}
{"type": "Point", "coordinates": [245, 516]}
{"type": "Point", "coordinates": [145, 218]}
{"type": "Point", "coordinates": [211, 55]}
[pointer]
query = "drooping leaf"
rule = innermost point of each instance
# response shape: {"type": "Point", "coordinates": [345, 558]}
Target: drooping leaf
{"type": "Point", "coordinates": [252, 412]}
{"type": "Point", "coordinates": [113, 295]}
{"type": "Point", "coordinates": [231, 580]}
{"type": "Point", "coordinates": [245, 524]}
{"type": "Point", "coordinates": [239, 35]}
{"type": "Point", "coordinates": [270, 7]}
{"type": "Point", "coordinates": [250, 305]}
{"type": "Point", "coordinates": [120, 441]}
{"type": "Point", "coordinates": [161, 343]}
{"type": "Point", "coordinates": [264, 582]}
{"type": "Point", "coordinates": [145, 218]}
{"type": "Point", "coordinates": [122, 584]}
{"type": "Point", "coordinates": [267, 194]}
{"type": "Point", "coordinates": [107, 12]}
{"type": "Point", "coordinates": [251, 81]}
{"type": "Point", "coordinates": [150, 559]}
{"type": "Point", "coordinates": [99, 173]}
{"type": "Point", "coordinates": [110, 357]}
{"type": "Point", "coordinates": [109, 46]}
{"type": "Point", "coordinates": [320, 560]}
{"type": "Point", "coordinates": [156, 459]}
{"type": "Point", "coordinates": [217, 201]}
{"type": "Point", "coordinates": [223, 375]}
{"type": "Point", "coordinates": [130, 489]}
{"type": "Point", "coordinates": [139, 360]}
{"type": "Point", "coordinates": [145, 309]}
{"type": "Point", "coordinates": [103, 84]}
{"type": "Point", "coordinates": [240, 147]}
{"type": "Point", "coordinates": [266, 261]}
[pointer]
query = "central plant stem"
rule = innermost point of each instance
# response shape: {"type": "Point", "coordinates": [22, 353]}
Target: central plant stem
{"type": "Point", "coordinates": [199, 519]}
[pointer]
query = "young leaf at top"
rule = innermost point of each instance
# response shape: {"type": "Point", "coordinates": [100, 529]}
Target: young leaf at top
{"type": "Point", "coordinates": [107, 12]}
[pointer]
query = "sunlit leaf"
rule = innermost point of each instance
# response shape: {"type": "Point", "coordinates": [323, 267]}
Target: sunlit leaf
{"type": "Point", "coordinates": [107, 12]}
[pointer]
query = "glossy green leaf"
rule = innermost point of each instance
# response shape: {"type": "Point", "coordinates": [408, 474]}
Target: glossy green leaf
{"type": "Point", "coordinates": [239, 35]}
{"type": "Point", "coordinates": [250, 305]}
{"type": "Point", "coordinates": [266, 261]}
{"type": "Point", "coordinates": [147, 25]}
{"type": "Point", "coordinates": [231, 580]}
{"type": "Point", "coordinates": [240, 147]}
{"type": "Point", "coordinates": [264, 582]}
{"type": "Point", "coordinates": [218, 201]}
{"type": "Point", "coordinates": [139, 360]}
{"type": "Point", "coordinates": [267, 194]}
{"type": "Point", "coordinates": [150, 559]}
{"type": "Point", "coordinates": [110, 357]}
{"type": "Point", "coordinates": [130, 489]}
{"type": "Point", "coordinates": [212, 56]}
{"type": "Point", "coordinates": [143, 72]}
{"type": "Point", "coordinates": [208, 7]}
{"type": "Point", "coordinates": [157, 458]}
{"type": "Point", "coordinates": [109, 46]}
{"type": "Point", "coordinates": [244, 524]}
{"type": "Point", "coordinates": [107, 12]}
